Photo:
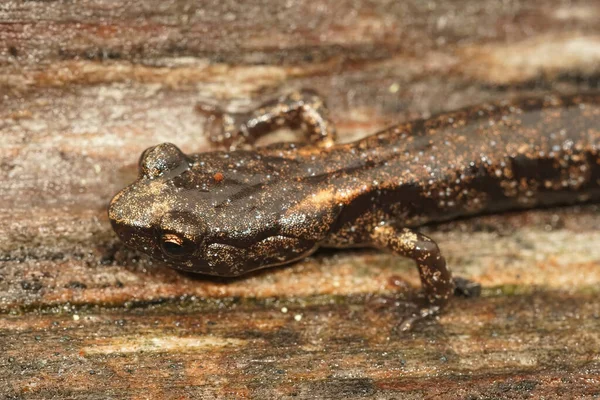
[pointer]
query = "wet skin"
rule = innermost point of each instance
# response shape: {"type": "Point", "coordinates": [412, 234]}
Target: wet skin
{"type": "Point", "coordinates": [227, 213]}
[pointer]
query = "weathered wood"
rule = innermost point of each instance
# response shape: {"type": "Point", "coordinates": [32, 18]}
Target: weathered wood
{"type": "Point", "coordinates": [496, 347]}
{"type": "Point", "coordinates": [84, 88]}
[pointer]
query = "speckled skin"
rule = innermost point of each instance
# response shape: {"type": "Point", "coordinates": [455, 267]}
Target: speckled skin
{"type": "Point", "coordinates": [228, 213]}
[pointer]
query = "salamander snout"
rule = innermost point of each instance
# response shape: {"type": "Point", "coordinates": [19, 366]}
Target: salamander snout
{"type": "Point", "coordinates": [131, 219]}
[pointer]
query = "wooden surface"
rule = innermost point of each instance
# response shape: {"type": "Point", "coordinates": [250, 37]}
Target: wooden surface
{"type": "Point", "coordinates": [86, 86]}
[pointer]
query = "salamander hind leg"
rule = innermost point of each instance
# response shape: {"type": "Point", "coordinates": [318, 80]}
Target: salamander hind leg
{"type": "Point", "coordinates": [303, 110]}
{"type": "Point", "coordinates": [436, 278]}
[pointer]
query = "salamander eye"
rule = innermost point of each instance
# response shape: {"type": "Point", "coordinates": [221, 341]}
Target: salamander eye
{"type": "Point", "coordinates": [176, 246]}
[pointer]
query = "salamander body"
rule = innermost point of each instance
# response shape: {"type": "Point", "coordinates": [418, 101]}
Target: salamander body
{"type": "Point", "coordinates": [230, 212]}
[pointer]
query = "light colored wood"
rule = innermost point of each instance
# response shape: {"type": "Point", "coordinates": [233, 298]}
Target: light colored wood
{"type": "Point", "coordinates": [85, 88]}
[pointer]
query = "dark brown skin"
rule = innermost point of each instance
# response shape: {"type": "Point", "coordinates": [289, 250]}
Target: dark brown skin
{"type": "Point", "coordinates": [229, 213]}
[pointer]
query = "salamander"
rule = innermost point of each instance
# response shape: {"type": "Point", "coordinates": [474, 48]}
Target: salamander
{"type": "Point", "coordinates": [230, 212]}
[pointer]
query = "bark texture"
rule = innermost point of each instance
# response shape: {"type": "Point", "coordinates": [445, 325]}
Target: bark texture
{"type": "Point", "coordinates": [86, 86]}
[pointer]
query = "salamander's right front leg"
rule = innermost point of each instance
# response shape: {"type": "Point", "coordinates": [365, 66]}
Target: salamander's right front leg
{"type": "Point", "coordinates": [304, 109]}
{"type": "Point", "coordinates": [436, 278]}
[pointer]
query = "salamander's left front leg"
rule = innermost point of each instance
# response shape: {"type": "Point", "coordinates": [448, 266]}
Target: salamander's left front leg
{"type": "Point", "coordinates": [304, 110]}
{"type": "Point", "coordinates": [436, 278]}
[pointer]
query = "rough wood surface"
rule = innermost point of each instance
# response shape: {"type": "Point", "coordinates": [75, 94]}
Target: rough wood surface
{"type": "Point", "coordinates": [86, 86]}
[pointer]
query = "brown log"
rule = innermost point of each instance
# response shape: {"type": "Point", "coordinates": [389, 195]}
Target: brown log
{"type": "Point", "coordinates": [85, 87]}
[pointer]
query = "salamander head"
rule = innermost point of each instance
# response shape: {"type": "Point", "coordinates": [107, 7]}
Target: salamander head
{"type": "Point", "coordinates": [215, 213]}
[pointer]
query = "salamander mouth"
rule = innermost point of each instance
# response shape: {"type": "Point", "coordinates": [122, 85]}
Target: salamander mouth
{"type": "Point", "coordinates": [225, 259]}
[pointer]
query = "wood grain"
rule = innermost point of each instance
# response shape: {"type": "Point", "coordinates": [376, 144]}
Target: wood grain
{"type": "Point", "coordinates": [86, 87]}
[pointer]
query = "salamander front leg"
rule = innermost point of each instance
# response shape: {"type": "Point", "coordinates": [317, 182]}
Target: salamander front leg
{"type": "Point", "coordinates": [303, 110]}
{"type": "Point", "coordinates": [436, 279]}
